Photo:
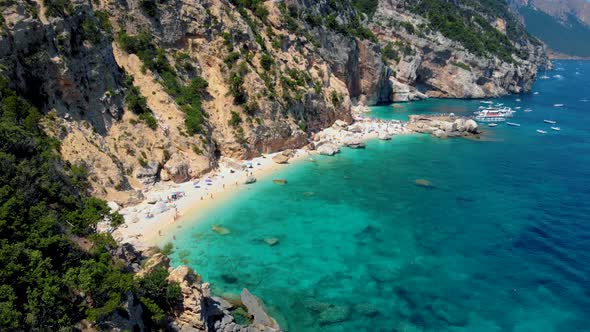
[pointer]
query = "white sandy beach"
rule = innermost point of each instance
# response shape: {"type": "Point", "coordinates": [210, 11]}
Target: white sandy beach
{"type": "Point", "coordinates": [143, 231]}
{"type": "Point", "coordinates": [151, 222]}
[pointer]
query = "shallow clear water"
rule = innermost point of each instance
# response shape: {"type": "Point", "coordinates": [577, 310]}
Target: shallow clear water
{"type": "Point", "coordinates": [499, 242]}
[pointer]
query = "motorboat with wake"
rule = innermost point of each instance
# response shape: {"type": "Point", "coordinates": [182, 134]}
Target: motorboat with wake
{"type": "Point", "coordinates": [541, 131]}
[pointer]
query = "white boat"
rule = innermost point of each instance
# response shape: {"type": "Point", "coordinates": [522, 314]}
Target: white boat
{"type": "Point", "coordinates": [535, 93]}
{"type": "Point", "coordinates": [528, 110]}
{"type": "Point", "coordinates": [517, 107]}
{"type": "Point", "coordinates": [556, 128]}
{"type": "Point", "coordinates": [486, 102]}
{"type": "Point", "coordinates": [557, 105]}
{"type": "Point", "coordinates": [544, 77]}
{"type": "Point", "coordinates": [513, 124]}
{"type": "Point", "coordinates": [492, 124]}
{"type": "Point", "coordinates": [550, 121]}
{"type": "Point", "coordinates": [494, 114]}
{"type": "Point", "coordinates": [541, 131]}
{"type": "Point", "coordinates": [517, 99]}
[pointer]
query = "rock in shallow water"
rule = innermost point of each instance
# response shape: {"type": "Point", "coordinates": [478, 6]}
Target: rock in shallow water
{"type": "Point", "coordinates": [271, 241]}
{"type": "Point", "coordinates": [423, 183]}
{"type": "Point", "coordinates": [220, 230]}
{"type": "Point", "coordinates": [366, 309]}
{"type": "Point", "coordinates": [334, 314]}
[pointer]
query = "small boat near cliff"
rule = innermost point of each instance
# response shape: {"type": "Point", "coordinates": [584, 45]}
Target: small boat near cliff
{"type": "Point", "coordinates": [513, 124]}
{"type": "Point", "coordinates": [550, 121]}
{"type": "Point", "coordinates": [492, 124]}
{"type": "Point", "coordinates": [541, 131]}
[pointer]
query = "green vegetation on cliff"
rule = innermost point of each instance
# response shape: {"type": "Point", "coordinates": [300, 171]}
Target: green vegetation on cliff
{"type": "Point", "coordinates": [187, 96]}
{"type": "Point", "coordinates": [464, 23]}
{"type": "Point", "coordinates": [56, 270]}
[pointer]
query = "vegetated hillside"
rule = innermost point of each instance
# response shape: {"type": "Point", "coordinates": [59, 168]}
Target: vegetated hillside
{"type": "Point", "coordinates": [131, 93]}
{"type": "Point", "coordinates": [55, 270]}
{"type": "Point", "coordinates": [566, 35]}
{"type": "Point", "coordinates": [144, 91]}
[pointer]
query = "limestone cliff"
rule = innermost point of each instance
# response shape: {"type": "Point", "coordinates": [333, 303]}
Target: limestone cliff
{"type": "Point", "coordinates": [142, 91]}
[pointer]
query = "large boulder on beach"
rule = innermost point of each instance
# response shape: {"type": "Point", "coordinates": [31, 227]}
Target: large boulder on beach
{"type": "Point", "coordinates": [280, 158]}
{"type": "Point", "coordinates": [148, 174]}
{"type": "Point", "coordinates": [328, 149]}
{"type": "Point", "coordinates": [113, 206]}
{"type": "Point", "coordinates": [177, 169]}
{"type": "Point", "coordinates": [250, 179]}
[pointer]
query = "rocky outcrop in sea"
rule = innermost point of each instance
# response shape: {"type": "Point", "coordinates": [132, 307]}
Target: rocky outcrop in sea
{"type": "Point", "coordinates": [198, 311]}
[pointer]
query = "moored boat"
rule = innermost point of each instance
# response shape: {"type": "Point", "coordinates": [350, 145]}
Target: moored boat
{"type": "Point", "coordinates": [513, 124]}
{"type": "Point", "coordinates": [556, 128]}
{"type": "Point", "coordinates": [557, 105]}
{"type": "Point", "coordinates": [492, 124]}
{"type": "Point", "coordinates": [541, 131]}
{"type": "Point", "coordinates": [550, 121]}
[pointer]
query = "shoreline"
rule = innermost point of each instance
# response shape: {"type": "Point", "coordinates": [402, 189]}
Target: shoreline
{"type": "Point", "coordinates": [144, 232]}
{"type": "Point", "coordinates": [154, 221]}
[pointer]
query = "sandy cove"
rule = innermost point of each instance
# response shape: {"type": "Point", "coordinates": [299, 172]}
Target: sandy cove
{"type": "Point", "coordinates": [152, 222]}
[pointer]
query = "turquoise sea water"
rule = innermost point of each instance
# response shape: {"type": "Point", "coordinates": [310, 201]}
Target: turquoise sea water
{"type": "Point", "coordinates": [500, 242]}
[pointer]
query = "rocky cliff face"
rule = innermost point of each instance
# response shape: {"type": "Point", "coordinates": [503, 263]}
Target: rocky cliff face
{"type": "Point", "coordinates": [275, 72]}
{"type": "Point", "coordinates": [426, 63]}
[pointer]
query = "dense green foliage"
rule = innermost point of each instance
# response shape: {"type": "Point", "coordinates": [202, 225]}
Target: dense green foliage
{"type": "Point", "coordinates": [570, 38]}
{"type": "Point", "coordinates": [354, 27]}
{"type": "Point", "coordinates": [464, 23]}
{"type": "Point", "coordinates": [256, 6]}
{"type": "Point", "coordinates": [42, 211]}
{"type": "Point", "coordinates": [158, 296]}
{"type": "Point", "coordinates": [57, 8]}
{"type": "Point", "coordinates": [137, 103]}
{"type": "Point", "coordinates": [56, 270]}
{"type": "Point", "coordinates": [187, 96]}
{"type": "Point", "coordinates": [365, 6]}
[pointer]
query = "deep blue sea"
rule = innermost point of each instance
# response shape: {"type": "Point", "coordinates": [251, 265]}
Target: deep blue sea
{"type": "Point", "coordinates": [500, 241]}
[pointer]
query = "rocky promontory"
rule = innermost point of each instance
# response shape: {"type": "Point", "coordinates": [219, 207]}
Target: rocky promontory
{"type": "Point", "coordinates": [197, 309]}
{"type": "Point", "coordinates": [443, 126]}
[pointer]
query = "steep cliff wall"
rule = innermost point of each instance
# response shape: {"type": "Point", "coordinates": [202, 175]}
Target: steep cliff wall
{"type": "Point", "coordinates": [142, 91]}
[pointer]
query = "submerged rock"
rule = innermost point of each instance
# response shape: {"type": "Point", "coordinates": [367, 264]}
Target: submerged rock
{"type": "Point", "coordinates": [220, 230]}
{"type": "Point", "coordinates": [356, 145]}
{"type": "Point", "coordinates": [334, 314]}
{"type": "Point", "coordinates": [366, 309]}
{"type": "Point", "coordinates": [279, 181]}
{"type": "Point", "coordinates": [271, 241]}
{"type": "Point", "coordinates": [423, 183]}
